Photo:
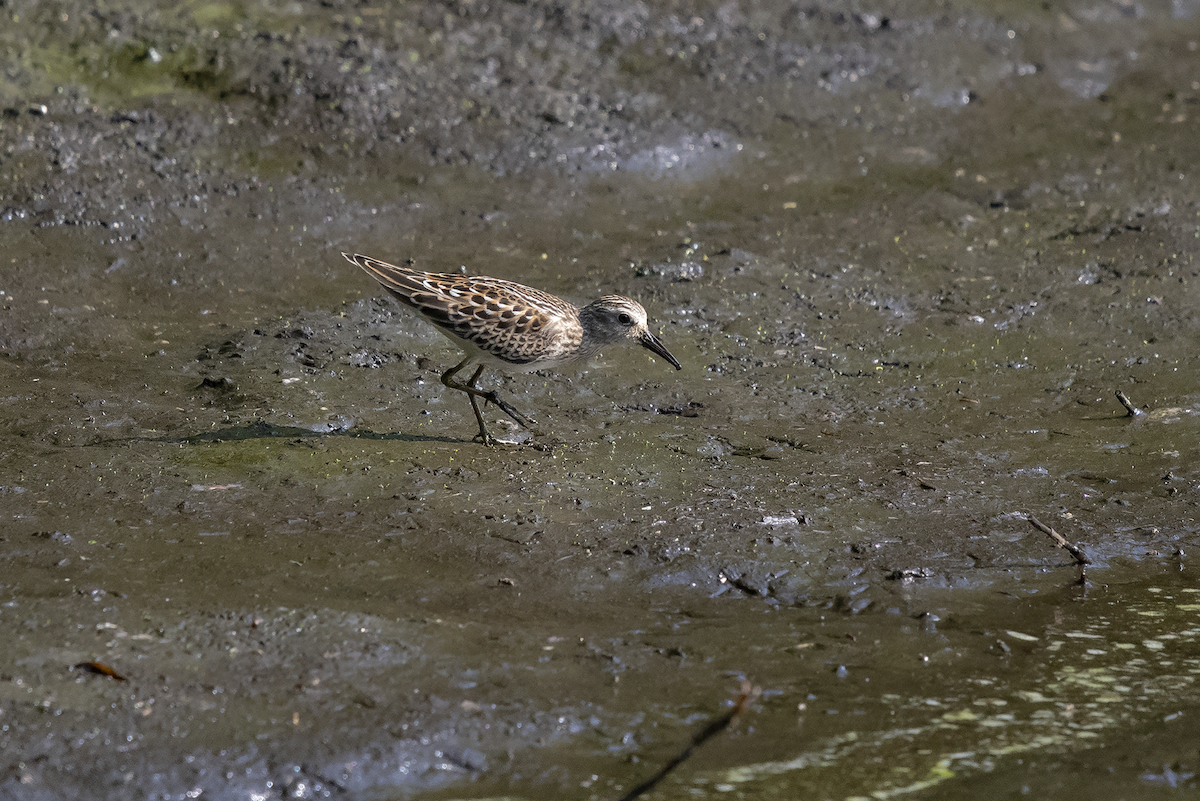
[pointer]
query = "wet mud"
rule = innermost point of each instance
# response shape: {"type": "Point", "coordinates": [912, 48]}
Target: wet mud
{"type": "Point", "coordinates": [906, 255]}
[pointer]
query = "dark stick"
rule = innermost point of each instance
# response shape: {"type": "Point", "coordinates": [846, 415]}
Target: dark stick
{"type": "Point", "coordinates": [1059, 540]}
{"type": "Point", "coordinates": [714, 728]}
{"type": "Point", "coordinates": [1128, 404]}
{"type": "Point", "coordinates": [100, 669]}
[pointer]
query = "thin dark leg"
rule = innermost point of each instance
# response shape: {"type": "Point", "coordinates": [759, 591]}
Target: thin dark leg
{"type": "Point", "coordinates": [483, 433]}
{"type": "Point", "coordinates": [474, 392]}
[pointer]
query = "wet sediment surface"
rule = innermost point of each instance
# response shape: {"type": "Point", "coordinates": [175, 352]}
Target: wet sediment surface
{"type": "Point", "coordinates": [906, 256]}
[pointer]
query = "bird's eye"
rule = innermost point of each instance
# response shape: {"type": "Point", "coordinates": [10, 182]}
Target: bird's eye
{"type": "Point", "coordinates": [624, 318]}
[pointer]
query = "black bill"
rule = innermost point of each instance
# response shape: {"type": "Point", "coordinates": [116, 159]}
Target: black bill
{"type": "Point", "coordinates": [655, 346]}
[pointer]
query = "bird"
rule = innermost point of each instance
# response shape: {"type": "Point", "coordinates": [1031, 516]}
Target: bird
{"type": "Point", "coordinates": [504, 324]}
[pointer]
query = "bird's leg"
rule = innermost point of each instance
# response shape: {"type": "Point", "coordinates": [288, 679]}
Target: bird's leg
{"type": "Point", "coordinates": [474, 392]}
{"type": "Point", "coordinates": [469, 388]}
{"type": "Point", "coordinates": [487, 438]}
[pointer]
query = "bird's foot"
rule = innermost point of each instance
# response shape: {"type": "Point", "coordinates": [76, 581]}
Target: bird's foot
{"type": "Point", "coordinates": [518, 438]}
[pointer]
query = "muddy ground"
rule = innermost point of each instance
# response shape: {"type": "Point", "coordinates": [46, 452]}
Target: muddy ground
{"type": "Point", "coordinates": [906, 253]}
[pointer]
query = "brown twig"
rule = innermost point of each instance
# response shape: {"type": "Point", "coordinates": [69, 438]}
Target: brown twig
{"type": "Point", "coordinates": [100, 669]}
{"type": "Point", "coordinates": [747, 696]}
{"type": "Point", "coordinates": [1128, 404]}
{"type": "Point", "coordinates": [1059, 540]}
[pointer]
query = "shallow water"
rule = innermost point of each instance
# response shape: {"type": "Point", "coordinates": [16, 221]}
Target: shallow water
{"type": "Point", "coordinates": [906, 258]}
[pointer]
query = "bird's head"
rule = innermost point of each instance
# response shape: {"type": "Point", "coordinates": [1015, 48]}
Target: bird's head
{"type": "Point", "coordinates": [614, 318]}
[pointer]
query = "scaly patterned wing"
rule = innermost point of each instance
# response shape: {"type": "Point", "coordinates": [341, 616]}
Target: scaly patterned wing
{"type": "Point", "coordinates": [508, 320]}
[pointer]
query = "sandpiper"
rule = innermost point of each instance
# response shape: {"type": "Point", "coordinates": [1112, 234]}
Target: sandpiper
{"type": "Point", "coordinates": [510, 325]}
